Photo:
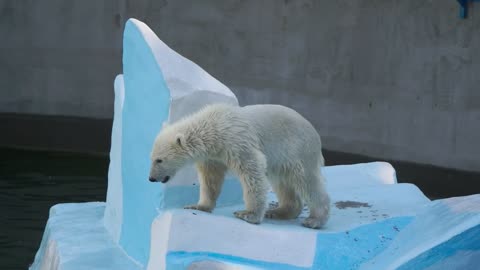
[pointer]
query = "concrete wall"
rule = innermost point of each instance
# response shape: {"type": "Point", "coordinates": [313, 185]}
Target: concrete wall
{"type": "Point", "coordinates": [59, 57]}
{"type": "Point", "coordinates": [396, 79]}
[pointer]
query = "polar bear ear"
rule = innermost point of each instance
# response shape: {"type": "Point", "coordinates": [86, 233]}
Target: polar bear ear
{"type": "Point", "coordinates": [180, 139]}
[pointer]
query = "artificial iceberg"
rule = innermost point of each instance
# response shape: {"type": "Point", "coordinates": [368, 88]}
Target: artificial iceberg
{"type": "Point", "coordinates": [376, 223]}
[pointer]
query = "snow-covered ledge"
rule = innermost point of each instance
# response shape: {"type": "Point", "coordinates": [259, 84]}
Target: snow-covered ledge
{"type": "Point", "coordinates": [142, 225]}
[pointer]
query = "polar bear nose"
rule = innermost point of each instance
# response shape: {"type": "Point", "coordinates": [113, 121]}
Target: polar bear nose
{"type": "Point", "coordinates": [151, 179]}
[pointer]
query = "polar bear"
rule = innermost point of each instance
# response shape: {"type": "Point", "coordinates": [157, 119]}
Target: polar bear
{"type": "Point", "coordinates": [261, 144]}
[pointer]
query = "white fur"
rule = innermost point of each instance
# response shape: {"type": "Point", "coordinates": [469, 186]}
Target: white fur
{"type": "Point", "coordinates": [261, 144]}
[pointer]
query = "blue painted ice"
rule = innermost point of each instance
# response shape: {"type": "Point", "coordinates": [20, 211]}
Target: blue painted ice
{"type": "Point", "coordinates": [159, 86]}
{"type": "Point", "coordinates": [446, 233]}
{"type": "Point", "coordinates": [114, 209]}
{"type": "Point", "coordinates": [375, 223]}
{"type": "Point", "coordinates": [75, 238]}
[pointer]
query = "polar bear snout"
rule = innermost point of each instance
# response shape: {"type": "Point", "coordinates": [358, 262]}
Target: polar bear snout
{"type": "Point", "coordinates": [151, 179]}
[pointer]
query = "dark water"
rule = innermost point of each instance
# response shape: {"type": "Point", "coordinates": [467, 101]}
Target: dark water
{"type": "Point", "coordinates": [30, 183]}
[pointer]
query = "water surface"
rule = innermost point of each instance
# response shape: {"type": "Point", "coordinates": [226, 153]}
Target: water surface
{"type": "Point", "coordinates": [30, 183]}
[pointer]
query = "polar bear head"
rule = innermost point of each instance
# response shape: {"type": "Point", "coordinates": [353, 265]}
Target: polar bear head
{"type": "Point", "coordinates": [169, 154]}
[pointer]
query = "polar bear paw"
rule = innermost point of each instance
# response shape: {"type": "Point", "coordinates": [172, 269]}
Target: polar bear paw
{"type": "Point", "coordinates": [199, 207]}
{"type": "Point", "coordinates": [248, 216]}
{"type": "Point", "coordinates": [313, 223]}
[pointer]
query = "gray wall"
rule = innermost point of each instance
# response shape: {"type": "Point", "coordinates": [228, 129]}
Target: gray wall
{"type": "Point", "coordinates": [59, 57]}
{"type": "Point", "coordinates": [390, 79]}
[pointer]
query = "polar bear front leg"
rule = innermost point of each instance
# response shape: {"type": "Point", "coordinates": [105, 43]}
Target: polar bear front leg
{"type": "Point", "coordinates": [252, 173]}
{"type": "Point", "coordinates": [211, 177]}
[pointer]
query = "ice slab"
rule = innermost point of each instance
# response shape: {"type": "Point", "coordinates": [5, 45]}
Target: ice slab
{"type": "Point", "coordinates": [75, 238]}
{"type": "Point", "coordinates": [114, 206]}
{"type": "Point", "coordinates": [185, 239]}
{"type": "Point", "coordinates": [363, 222]}
{"type": "Point", "coordinates": [376, 226]}
{"type": "Point", "coordinates": [360, 175]}
{"type": "Point", "coordinates": [445, 233]}
{"type": "Point", "coordinates": [158, 86]}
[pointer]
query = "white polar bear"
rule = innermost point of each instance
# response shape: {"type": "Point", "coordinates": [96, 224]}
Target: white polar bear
{"type": "Point", "coordinates": [259, 143]}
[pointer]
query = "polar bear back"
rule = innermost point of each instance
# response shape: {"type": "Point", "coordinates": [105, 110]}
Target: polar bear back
{"type": "Point", "coordinates": [284, 134]}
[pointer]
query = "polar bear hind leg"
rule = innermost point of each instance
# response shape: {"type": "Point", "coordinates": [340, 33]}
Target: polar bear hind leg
{"type": "Point", "coordinates": [317, 200]}
{"type": "Point", "coordinates": [289, 202]}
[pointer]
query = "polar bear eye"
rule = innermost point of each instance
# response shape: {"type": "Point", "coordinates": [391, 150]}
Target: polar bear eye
{"type": "Point", "coordinates": [159, 160]}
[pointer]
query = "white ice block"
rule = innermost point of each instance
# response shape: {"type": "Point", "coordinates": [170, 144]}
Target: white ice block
{"type": "Point", "coordinates": [75, 238]}
{"type": "Point", "coordinates": [446, 233]}
{"type": "Point", "coordinates": [114, 207]}
{"type": "Point", "coordinates": [161, 86]}
{"type": "Point", "coordinates": [373, 212]}
{"type": "Point", "coordinates": [360, 175]}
